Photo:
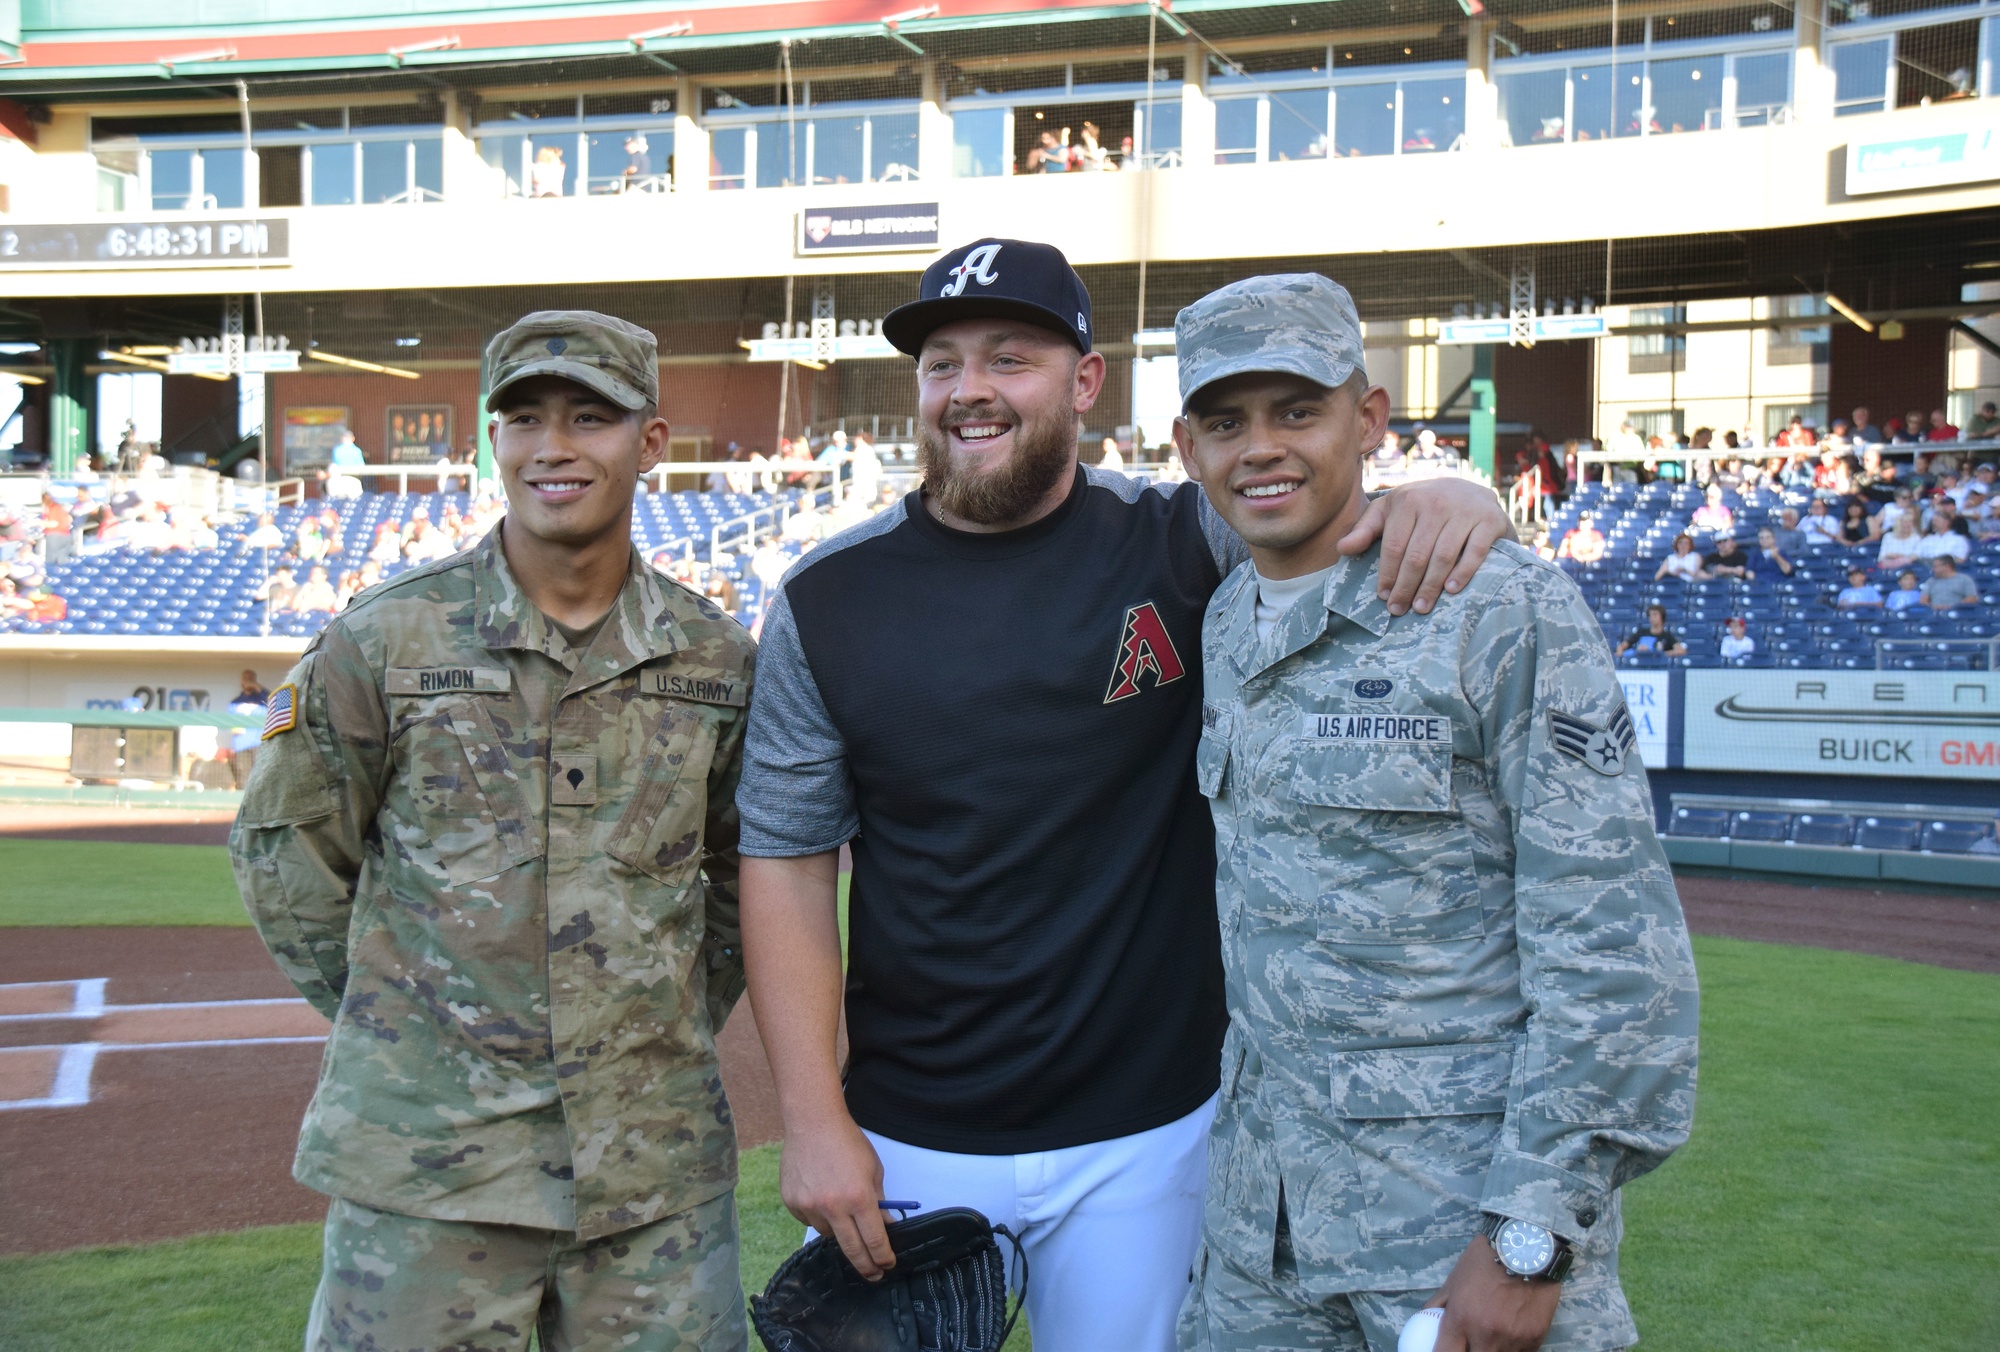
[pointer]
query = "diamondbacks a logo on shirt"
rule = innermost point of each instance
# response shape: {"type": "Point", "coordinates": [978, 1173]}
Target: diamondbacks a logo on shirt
{"type": "Point", "coordinates": [1144, 647]}
{"type": "Point", "coordinates": [977, 267]}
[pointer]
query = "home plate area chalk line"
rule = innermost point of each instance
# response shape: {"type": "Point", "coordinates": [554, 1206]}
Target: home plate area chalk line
{"type": "Point", "coordinates": [71, 1026]}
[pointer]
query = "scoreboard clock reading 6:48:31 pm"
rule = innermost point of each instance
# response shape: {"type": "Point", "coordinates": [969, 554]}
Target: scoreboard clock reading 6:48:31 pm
{"type": "Point", "coordinates": [126, 244]}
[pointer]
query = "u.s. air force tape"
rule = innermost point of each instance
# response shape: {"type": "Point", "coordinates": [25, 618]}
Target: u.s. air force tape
{"type": "Point", "coordinates": [447, 680]}
{"type": "Point", "coordinates": [734, 692]}
{"type": "Point", "coordinates": [1423, 729]}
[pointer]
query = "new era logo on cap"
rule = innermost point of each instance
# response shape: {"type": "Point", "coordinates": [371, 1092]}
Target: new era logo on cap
{"type": "Point", "coordinates": [997, 279]}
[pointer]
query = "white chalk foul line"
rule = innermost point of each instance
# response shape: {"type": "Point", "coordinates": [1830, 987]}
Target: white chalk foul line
{"type": "Point", "coordinates": [72, 1085]}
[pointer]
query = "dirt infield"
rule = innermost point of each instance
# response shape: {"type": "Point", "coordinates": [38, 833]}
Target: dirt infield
{"type": "Point", "coordinates": [139, 826]}
{"type": "Point", "coordinates": [188, 1114]}
{"type": "Point", "coordinates": [193, 1098]}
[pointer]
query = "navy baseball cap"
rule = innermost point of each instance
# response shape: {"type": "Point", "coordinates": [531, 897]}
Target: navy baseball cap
{"type": "Point", "coordinates": [995, 278]}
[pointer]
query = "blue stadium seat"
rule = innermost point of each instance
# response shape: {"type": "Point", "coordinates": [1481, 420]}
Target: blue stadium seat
{"type": "Point", "coordinates": [1759, 825]}
{"type": "Point", "coordinates": [1706, 822]}
{"type": "Point", "coordinates": [1887, 833]}
{"type": "Point", "coordinates": [1953, 837]}
{"type": "Point", "coordinates": [1822, 828]}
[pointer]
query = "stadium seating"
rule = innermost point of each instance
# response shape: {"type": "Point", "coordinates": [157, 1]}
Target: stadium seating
{"type": "Point", "coordinates": [1793, 620]}
{"type": "Point", "coordinates": [1831, 829]}
{"type": "Point", "coordinates": [131, 592]}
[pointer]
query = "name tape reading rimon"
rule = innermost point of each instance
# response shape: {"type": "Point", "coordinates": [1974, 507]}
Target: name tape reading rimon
{"type": "Point", "coordinates": [700, 689]}
{"type": "Point", "coordinates": [447, 680]}
{"type": "Point", "coordinates": [1424, 729]}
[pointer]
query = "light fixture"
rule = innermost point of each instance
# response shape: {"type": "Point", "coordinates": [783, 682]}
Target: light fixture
{"type": "Point", "coordinates": [129, 360]}
{"type": "Point", "coordinates": [149, 349]}
{"type": "Point", "coordinates": [413, 340]}
{"type": "Point", "coordinates": [443, 44]}
{"type": "Point", "coordinates": [22, 379]}
{"type": "Point", "coordinates": [197, 58]}
{"type": "Point", "coordinates": [359, 365]}
{"type": "Point", "coordinates": [1849, 313]}
{"type": "Point", "coordinates": [672, 30]}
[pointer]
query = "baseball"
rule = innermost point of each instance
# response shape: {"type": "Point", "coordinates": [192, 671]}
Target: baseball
{"type": "Point", "coordinates": [1421, 1333]}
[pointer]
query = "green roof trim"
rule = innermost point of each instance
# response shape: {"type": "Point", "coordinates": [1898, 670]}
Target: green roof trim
{"type": "Point", "coordinates": [120, 718]}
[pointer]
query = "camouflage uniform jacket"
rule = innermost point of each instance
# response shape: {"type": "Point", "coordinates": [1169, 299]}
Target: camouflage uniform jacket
{"type": "Point", "coordinates": [507, 872]}
{"type": "Point", "coordinates": [1457, 974]}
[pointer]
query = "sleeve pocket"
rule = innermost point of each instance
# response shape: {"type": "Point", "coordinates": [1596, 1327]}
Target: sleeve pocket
{"type": "Point", "coordinates": [1211, 763]}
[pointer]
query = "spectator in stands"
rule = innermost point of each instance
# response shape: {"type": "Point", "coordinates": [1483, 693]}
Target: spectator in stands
{"type": "Point", "coordinates": [1796, 434]}
{"type": "Point", "coordinates": [867, 473]}
{"type": "Point", "coordinates": [806, 524]}
{"type": "Point", "coordinates": [768, 564]}
{"type": "Point", "coordinates": [1898, 507]}
{"type": "Point", "coordinates": [1982, 514]}
{"type": "Point", "coordinates": [45, 607]}
{"type": "Point", "coordinates": [1769, 562]}
{"type": "Point", "coordinates": [349, 588]}
{"type": "Point", "coordinates": [1585, 543]}
{"type": "Point", "coordinates": [13, 605]}
{"type": "Point", "coordinates": [792, 453]}
{"type": "Point", "coordinates": [1737, 641]}
{"type": "Point", "coordinates": [1943, 541]}
{"type": "Point", "coordinates": [1949, 588]}
{"type": "Point", "coordinates": [14, 533]}
{"type": "Point", "coordinates": [1855, 527]}
{"type": "Point", "coordinates": [1791, 538]}
{"type": "Point", "coordinates": [1654, 638]}
{"type": "Point", "coordinates": [545, 175]}
{"type": "Point", "coordinates": [149, 531]}
{"type": "Point", "coordinates": [1726, 560]}
{"type": "Point", "coordinates": [425, 543]}
{"type": "Point", "coordinates": [1797, 475]}
{"type": "Point", "coordinates": [153, 465]}
{"type": "Point", "coordinates": [278, 589]}
{"type": "Point", "coordinates": [1683, 564]}
{"type": "Point", "coordinates": [56, 518]}
{"type": "Point", "coordinates": [315, 594]}
{"type": "Point", "coordinates": [1714, 515]}
{"type": "Point", "coordinates": [1902, 547]}
{"type": "Point", "coordinates": [310, 543]}
{"type": "Point", "coordinates": [1940, 427]}
{"type": "Point", "coordinates": [1985, 424]}
{"type": "Point", "coordinates": [250, 690]}
{"type": "Point", "coordinates": [1984, 480]}
{"type": "Point", "coordinates": [720, 589]}
{"type": "Point", "coordinates": [1864, 428]}
{"type": "Point", "coordinates": [1909, 431]}
{"type": "Point", "coordinates": [1110, 458]}
{"type": "Point", "coordinates": [387, 546]}
{"type": "Point", "coordinates": [1859, 593]}
{"type": "Point", "coordinates": [1907, 596]}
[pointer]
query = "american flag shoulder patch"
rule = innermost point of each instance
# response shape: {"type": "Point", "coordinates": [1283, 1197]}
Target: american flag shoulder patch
{"type": "Point", "coordinates": [281, 712]}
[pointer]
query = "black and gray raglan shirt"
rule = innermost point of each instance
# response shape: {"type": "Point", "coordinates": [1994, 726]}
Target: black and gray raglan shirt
{"type": "Point", "coordinates": [1004, 726]}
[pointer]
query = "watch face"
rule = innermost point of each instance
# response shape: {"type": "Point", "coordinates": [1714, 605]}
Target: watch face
{"type": "Point", "coordinates": [1525, 1248]}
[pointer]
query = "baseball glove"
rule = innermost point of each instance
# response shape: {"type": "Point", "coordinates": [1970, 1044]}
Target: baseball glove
{"type": "Point", "coordinates": [947, 1292]}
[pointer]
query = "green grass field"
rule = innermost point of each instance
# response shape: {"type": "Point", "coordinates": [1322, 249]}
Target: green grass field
{"type": "Point", "coordinates": [90, 882]}
{"type": "Point", "coordinates": [1841, 1192]}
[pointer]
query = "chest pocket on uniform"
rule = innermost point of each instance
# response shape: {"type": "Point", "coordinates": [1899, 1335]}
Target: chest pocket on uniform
{"type": "Point", "coordinates": [661, 831]}
{"type": "Point", "coordinates": [1395, 861]}
{"type": "Point", "coordinates": [468, 793]}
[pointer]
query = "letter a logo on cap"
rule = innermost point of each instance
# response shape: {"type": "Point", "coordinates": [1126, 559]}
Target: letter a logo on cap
{"type": "Point", "coordinates": [977, 267]}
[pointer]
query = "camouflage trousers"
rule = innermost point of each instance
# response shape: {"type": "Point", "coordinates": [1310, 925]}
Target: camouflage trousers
{"type": "Point", "coordinates": [1229, 1310]}
{"type": "Point", "coordinates": [393, 1283]}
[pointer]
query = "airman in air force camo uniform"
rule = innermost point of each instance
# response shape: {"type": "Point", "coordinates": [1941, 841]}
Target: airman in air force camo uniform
{"type": "Point", "coordinates": [493, 837]}
{"type": "Point", "coordinates": [1462, 1004]}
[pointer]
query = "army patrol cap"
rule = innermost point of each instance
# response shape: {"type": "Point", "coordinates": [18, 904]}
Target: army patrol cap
{"type": "Point", "coordinates": [618, 360]}
{"type": "Point", "coordinates": [1297, 322]}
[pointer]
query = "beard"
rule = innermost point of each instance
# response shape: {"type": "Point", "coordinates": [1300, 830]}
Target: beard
{"type": "Point", "coordinates": [1006, 492]}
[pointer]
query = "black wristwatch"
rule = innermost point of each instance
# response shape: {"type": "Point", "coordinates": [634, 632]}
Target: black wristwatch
{"type": "Point", "coordinates": [1529, 1251]}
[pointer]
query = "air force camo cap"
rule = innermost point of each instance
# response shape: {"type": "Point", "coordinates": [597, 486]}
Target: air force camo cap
{"type": "Point", "coordinates": [995, 279]}
{"type": "Point", "coordinates": [618, 360]}
{"type": "Point", "coordinates": [1296, 322]}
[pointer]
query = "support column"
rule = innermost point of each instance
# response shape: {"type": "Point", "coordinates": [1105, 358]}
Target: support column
{"type": "Point", "coordinates": [1197, 110]}
{"type": "Point", "coordinates": [461, 169]}
{"type": "Point", "coordinates": [69, 404]}
{"type": "Point", "coordinates": [1812, 78]}
{"type": "Point", "coordinates": [1479, 441]}
{"type": "Point", "coordinates": [690, 139]}
{"type": "Point", "coordinates": [934, 131]}
{"type": "Point", "coordinates": [1482, 102]}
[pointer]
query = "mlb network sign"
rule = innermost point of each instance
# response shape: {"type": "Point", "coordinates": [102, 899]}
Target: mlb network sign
{"type": "Point", "coordinates": [1926, 724]}
{"type": "Point", "coordinates": [873, 229]}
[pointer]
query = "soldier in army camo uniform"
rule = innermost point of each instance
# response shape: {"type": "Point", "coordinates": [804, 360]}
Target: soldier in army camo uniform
{"type": "Point", "coordinates": [1462, 1003]}
{"type": "Point", "coordinates": [492, 835]}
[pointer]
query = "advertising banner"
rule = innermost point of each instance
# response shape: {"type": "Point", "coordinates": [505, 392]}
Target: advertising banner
{"type": "Point", "coordinates": [1926, 724]}
{"type": "Point", "coordinates": [1646, 698]}
{"type": "Point", "coordinates": [868, 229]}
{"type": "Point", "coordinates": [310, 436]}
